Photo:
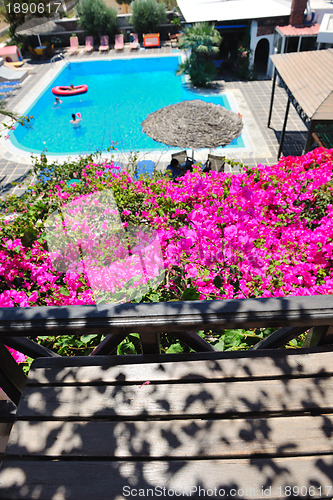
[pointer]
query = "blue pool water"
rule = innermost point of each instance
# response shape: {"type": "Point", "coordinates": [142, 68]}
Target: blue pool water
{"type": "Point", "coordinates": [121, 94]}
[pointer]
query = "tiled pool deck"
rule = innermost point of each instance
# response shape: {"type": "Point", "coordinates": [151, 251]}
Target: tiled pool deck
{"type": "Point", "coordinates": [252, 100]}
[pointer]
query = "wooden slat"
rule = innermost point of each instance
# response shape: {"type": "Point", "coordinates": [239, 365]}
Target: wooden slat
{"type": "Point", "coordinates": [115, 480]}
{"type": "Point", "coordinates": [168, 316]}
{"type": "Point", "coordinates": [280, 337]}
{"type": "Point", "coordinates": [248, 365]}
{"type": "Point", "coordinates": [28, 347]}
{"type": "Point", "coordinates": [165, 400]}
{"type": "Point", "coordinates": [12, 378]}
{"type": "Point", "coordinates": [198, 438]}
{"type": "Point", "coordinates": [5, 428]}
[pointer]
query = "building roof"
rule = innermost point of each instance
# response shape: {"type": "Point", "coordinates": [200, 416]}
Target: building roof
{"type": "Point", "coordinates": [231, 10]}
{"type": "Point", "coordinates": [325, 34]}
{"type": "Point", "coordinates": [9, 50]}
{"type": "Point", "coordinates": [309, 78]}
{"type": "Point", "coordinates": [304, 31]}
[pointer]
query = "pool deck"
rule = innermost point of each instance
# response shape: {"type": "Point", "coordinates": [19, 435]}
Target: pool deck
{"type": "Point", "coordinates": [252, 100]}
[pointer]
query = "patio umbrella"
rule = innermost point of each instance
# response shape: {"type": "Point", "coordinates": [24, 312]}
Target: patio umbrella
{"type": "Point", "coordinates": [193, 124]}
{"type": "Point", "coordinates": [39, 26]}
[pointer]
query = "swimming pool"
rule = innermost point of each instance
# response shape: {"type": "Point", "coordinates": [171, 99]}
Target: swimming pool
{"type": "Point", "coordinates": [122, 92]}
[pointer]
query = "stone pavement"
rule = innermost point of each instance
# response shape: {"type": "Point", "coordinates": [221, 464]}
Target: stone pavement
{"type": "Point", "coordinates": [252, 100]}
{"type": "Point", "coordinates": [257, 95]}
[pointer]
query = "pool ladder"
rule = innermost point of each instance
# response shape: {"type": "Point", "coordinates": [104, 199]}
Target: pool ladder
{"type": "Point", "coordinates": [59, 57]}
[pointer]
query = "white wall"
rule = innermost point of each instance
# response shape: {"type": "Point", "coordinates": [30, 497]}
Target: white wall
{"type": "Point", "coordinates": [254, 39]}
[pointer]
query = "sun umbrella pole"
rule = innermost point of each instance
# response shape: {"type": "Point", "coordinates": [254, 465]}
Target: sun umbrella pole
{"type": "Point", "coordinates": [39, 41]}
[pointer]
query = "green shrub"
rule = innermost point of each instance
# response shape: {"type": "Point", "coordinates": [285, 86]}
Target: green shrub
{"type": "Point", "coordinates": [201, 72]}
{"type": "Point", "coordinates": [203, 40]}
{"type": "Point", "coordinates": [147, 15]}
{"type": "Point", "coordinates": [96, 18]}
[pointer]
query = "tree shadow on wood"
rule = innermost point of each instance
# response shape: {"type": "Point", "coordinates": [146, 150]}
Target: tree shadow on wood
{"type": "Point", "coordinates": [242, 426]}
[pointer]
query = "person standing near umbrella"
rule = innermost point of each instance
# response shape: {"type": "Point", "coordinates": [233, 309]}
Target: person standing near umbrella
{"type": "Point", "coordinates": [173, 169]}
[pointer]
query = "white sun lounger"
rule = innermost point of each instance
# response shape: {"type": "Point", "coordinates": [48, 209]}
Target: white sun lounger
{"type": "Point", "coordinates": [7, 74]}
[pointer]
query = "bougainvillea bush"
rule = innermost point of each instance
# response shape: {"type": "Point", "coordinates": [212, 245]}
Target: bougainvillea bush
{"type": "Point", "coordinates": [264, 232]}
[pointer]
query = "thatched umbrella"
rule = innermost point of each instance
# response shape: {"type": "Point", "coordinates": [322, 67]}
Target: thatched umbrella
{"type": "Point", "coordinates": [193, 124]}
{"type": "Point", "coordinates": [39, 26]}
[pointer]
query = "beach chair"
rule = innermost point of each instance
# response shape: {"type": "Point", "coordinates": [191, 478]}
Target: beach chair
{"type": "Point", "coordinates": [214, 162]}
{"type": "Point", "coordinates": [33, 53]}
{"type": "Point", "coordinates": [8, 87]}
{"type": "Point", "coordinates": [174, 38]}
{"type": "Point", "coordinates": [134, 41]}
{"type": "Point", "coordinates": [10, 83]}
{"type": "Point", "coordinates": [89, 45]}
{"type": "Point", "coordinates": [13, 64]}
{"type": "Point", "coordinates": [185, 162]}
{"type": "Point", "coordinates": [74, 45]}
{"type": "Point", "coordinates": [7, 90]}
{"type": "Point", "coordinates": [119, 42]}
{"type": "Point", "coordinates": [181, 156]}
{"type": "Point", "coordinates": [49, 51]}
{"type": "Point", "coordinates": [151, 40]}
{"type": "Point", "coordinates": [115, 167]}
{"type": "Point", "coordinates": [104, 44]}
{"type": "Point", "coordinates": [11, 75]}
{"type": "Point", "coordinates": [144, 167]}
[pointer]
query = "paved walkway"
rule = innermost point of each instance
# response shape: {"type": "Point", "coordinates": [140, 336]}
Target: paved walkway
{"type": "Point", "coordinates": [252, 100]}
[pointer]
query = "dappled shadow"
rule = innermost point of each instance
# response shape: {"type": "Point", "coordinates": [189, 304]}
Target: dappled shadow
{"type": "Point", "coordinates": [252, 424]}
{"type": "Point", "coordinates": [180, 319]}
{"type": "Point", "coordinates": [7, 185]}
{"type": "Point", "coordinates": [293, 143]}
{"type": "Point", "coordinates": [168, 316]}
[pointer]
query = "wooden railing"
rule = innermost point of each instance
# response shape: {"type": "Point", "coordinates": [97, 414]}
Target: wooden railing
{"type": "Point", "coordinates": [290, 315]}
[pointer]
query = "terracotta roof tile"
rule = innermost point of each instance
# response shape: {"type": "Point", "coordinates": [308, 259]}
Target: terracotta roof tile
{"type": "Point", "coordinates": [303, 31]}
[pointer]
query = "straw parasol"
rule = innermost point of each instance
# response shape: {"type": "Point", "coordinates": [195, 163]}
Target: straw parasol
{"type": "Point", "coordinates": [193, 124]}
{"type": "Point", "coordinates": [39, 26]}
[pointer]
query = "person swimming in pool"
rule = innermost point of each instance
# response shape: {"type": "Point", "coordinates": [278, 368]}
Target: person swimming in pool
{"type": "Point", "coordinates": [57, 101]}
{"type": "Point", "coordinates": [76, 121]}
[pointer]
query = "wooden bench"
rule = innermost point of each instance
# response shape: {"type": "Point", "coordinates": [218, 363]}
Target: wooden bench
{"type": "Point", "coordinates": [255, 424]}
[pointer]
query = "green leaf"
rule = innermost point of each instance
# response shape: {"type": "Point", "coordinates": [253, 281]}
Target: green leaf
{"type": "Point", "coordinates": [174, 348]}
{"type": "Point", "coordinates": [87, 338]}
{"type": "Point", "coordinates": [190, 293]}
{"type": "Point", "coordinates": [219, 345]}
{"type": "Point", "coordinates": [218, 281]}
{"type": "Point", "coordinates": [126, 348]}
